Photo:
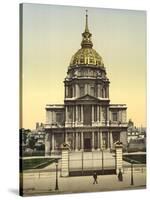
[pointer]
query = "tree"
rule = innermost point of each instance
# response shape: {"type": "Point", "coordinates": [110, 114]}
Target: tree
{"type": "Point", "coordinates": [32, 142]}
{"type": "Point", "coordinates": [24, 134]}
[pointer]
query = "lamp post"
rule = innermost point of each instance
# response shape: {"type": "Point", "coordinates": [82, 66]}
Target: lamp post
{"type": "Point", "coordinates": [132, 182]}
{"type": "Point", "coordinates": [56, 186]}
{"type": "Point", "coordinates": [102, 161]}
{"type": "Point", "coordinates": [82, 163]}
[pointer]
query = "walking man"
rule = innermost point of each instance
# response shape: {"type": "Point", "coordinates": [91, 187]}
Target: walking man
{"type": "Point", "coordinates": [95, 178]}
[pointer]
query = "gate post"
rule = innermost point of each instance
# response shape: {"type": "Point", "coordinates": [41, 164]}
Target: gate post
{"type": "Point", "coordinates": [119, 165]}
{"type": "Point", "coordinates": [65, 160]}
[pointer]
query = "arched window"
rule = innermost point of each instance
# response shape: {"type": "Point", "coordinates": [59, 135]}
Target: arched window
{"type": "Point", "coordinates": [92, 91]}
{"type": "Point", "coordinates": [70, 91]}
{"type": "Point", "coordinates": [103, 92]}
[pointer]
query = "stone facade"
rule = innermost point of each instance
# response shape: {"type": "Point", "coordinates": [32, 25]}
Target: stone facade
{"type": "Point", "coordinates": [86, 121]}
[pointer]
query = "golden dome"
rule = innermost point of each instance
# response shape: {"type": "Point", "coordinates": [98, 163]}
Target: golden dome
{"type": "Point", "coordinates": [86, 55]}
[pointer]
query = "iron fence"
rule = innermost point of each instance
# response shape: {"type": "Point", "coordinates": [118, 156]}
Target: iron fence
{"type": "Point", "coordinates": [85, 163]}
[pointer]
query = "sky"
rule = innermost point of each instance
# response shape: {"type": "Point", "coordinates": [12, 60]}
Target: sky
{"type": "Point", "coordinates": [52, 35]}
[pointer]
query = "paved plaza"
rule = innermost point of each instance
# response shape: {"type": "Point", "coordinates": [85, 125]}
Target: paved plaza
{"type": "Point", "coordinates": [44, 183]}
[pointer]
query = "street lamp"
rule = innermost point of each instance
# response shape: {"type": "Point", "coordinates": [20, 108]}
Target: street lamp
{"type": "Point", "coordinates": [102, 161]}
{"type": "Point", "coordinates": [132, 182]}
{"type": "Point", "coordinates": [56, 186]}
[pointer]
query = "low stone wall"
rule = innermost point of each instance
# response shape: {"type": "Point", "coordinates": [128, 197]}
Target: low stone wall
{"type": "Point", "coordinates": [136, 169]}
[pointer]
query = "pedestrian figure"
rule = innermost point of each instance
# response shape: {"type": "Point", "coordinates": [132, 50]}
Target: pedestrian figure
{"type": "Point", "coordinates": [120, 176]}
{"type": "Point", "coordinates": [95, 178]}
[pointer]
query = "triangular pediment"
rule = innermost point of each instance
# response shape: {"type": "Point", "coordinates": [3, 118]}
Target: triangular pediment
{"type": "Point", "coordinates": [87, 97]}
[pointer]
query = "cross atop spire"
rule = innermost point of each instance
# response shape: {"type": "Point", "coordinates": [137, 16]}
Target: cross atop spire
{"type": "Point", "coordinates": [86, 24]}
{"type": "Point", "coordinates": [86, 40]}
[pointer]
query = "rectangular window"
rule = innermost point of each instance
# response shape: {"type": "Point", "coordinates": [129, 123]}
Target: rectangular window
{"type": "Point", "coordinates": [59, 118]}
{"type": "Point", "coordinates": [114, 116]}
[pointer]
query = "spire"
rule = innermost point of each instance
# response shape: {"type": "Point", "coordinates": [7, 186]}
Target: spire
{"type": "Point", "coordinates": [86, 35]}
{"type": "Point", "coordinates": [86, 25]}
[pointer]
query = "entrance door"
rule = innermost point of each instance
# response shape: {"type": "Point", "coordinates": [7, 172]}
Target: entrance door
{"type": "Point", "coordinates": [87, 144]}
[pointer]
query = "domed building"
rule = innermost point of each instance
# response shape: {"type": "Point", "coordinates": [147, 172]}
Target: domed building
{"type": "Point", "coordinates": [87, 121]}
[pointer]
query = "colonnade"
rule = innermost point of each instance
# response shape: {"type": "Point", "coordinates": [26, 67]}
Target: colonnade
{"type": "Point", "coordinates": [78, 138]}
{"type": "Point", "coordinates": [99, 113]}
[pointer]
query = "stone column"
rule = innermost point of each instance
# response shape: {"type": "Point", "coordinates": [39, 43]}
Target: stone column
{"type": "Point", "coordinates": [108, 91]}
{"type": "Point", "coordinates": [73, 136]}
{"type": "Point", "coordinates": [86, 89]}
{"type": "Point", "coordinates": [102, 119]}
{"type": "Point", "coordinates": [107, 113]}
{"type": "Point", "coordinates": [98, 90]}
{"type": "Point", "coordinates": [98, 141]}
{"type": "Point", "coordinates": [82, 145]}
{"type": "Point", "coordinates": [92, 113]}
{"type": "Point", "coordinates": [66, 91]}
{"type": "Point", "coordinates": [53, 142]}
{"type": "Point", "coordinates": [93, 141]}
{"type": "Point", "coordinates": [72, 90]}
{"type": "Point", "coordinates": [77, 90]}
{"type": "Point", "coordinates": [81, 113]}
{"type": "Point", "coordinates": [65, 162]}
{"type": "Point", "coordinates": [111, 140]}
{"type": "Point", "coordinates": [48, 117]}
{"type": "Point", "coordinates": [76, 113]}
{"type": "Point", "coordinates": [108, 141]}
{"type": "Point", "coordinates": [119, 164]}
{"type": "Point", "coordinates": [73, 111]}
{"type": "Point", "coordinates": [53, 116]}
{"type": "Point", "coordinates": [97, 113]}
{"type": "Point", "coordinates": [66, 112]}
{"type": "Point", "coordinates": [66, 138]}
{"type": "Point", "coordinates": [100, 114]}
{"type": "Point", "coordinates": [101, 142]}
{"type": "Point", "coordinates": [120, 116]}
{"type": "Point", "coordinates": [76, 143]}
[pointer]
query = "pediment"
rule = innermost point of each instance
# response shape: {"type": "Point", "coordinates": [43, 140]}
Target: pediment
{"type": "Point", "coordinates": [87, 97]}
